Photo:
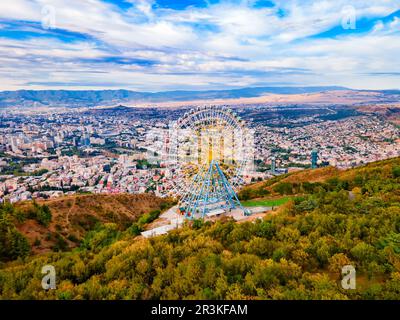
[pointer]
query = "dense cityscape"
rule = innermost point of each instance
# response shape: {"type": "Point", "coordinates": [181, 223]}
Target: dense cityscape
{"type": "Point", "coordinates": [123, 150]}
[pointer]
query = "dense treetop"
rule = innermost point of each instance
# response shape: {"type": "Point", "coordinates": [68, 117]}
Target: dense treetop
{"type": "Point", "coordinates": [295, 253]}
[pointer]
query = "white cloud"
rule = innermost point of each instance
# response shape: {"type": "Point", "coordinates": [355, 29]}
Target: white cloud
{"type": "Point", "coordinates": [208, 46]}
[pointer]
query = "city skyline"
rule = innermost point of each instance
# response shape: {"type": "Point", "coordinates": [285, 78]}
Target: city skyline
{"type": "Point", "coordinates": [127, 150]}
{"type": "Point", "coordinates": [161, 45]}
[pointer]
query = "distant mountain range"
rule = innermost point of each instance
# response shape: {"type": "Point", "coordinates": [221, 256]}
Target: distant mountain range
{"type": "Point", "coordinates": [92, 98]}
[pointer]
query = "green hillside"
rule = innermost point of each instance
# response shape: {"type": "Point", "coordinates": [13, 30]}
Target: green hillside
{"type": "Point", "coordinates": [350, 217]}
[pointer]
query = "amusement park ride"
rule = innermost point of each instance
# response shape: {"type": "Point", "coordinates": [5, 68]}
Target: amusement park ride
{"type": "Point", "coordinates": [210, 150]}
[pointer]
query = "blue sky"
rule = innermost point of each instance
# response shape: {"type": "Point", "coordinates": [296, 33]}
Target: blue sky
{"type": "Point", "coordinates": [157, 45]}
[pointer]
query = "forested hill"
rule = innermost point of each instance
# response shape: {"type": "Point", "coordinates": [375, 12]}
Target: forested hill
{"type": "Point", "coordinates": [59, 224]}
{"type": "Point", "coordinates": [351, 217]}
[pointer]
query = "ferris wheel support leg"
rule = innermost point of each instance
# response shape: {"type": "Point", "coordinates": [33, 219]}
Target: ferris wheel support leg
{"type": "Point", "coordinates": [232, 193]}
{"type": "Point", "coordinates": [205, 199]}
{"type": "Point", "coordinates": [193, 195]}
{"type": "Point", "coordinates": [199, 196]}
{"type": "Point", "coordinates": [228, 191]}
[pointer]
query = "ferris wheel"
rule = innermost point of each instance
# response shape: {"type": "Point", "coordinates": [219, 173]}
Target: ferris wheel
{"type": "Point", "coordinates": [210, 149]}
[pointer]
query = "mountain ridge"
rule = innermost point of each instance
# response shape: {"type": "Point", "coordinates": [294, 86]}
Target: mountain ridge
{"type": "Point", "coordinates": [92, 98]}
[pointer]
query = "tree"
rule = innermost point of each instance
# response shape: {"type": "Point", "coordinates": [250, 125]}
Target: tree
{"type": "Point", "coordinates": [17, 245]}
{"type": "Point", "coordinates": [13, 244]}
{"type": "Point", "coordinates": [396, 171]}
{"type": "Point", "coordinates": [363, 252]}
{"type": "Point", "coordinates": [337, 262]}
{"type": "Point", "coordinates": [44, 215]}
{"type": "Point", "coordinates": [284, 188]}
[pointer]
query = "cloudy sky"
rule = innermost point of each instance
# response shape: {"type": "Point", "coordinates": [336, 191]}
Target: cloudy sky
{"type": "Point", "coordinates": [157, 45]}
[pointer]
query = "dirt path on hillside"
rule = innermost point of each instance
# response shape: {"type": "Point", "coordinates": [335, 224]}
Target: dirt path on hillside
{"type": "Point", "coordinates": [69, 211]}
